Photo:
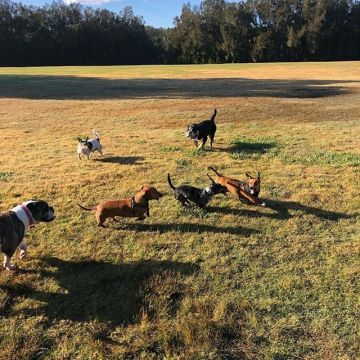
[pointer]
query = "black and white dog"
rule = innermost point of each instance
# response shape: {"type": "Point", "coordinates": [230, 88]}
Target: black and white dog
{"type": "Point", "coordinates": [186, 194]}
{"type": "Point", "coordinates": [202, 131]}
{"type": "Point", "coordinates": [14, 224]}
{"type": "Point", "coordinates": [88, 147]}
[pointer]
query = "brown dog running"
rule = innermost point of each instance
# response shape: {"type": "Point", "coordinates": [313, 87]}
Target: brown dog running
{"type": "Point", "coordinates": [237, 188]}
{"type": "Point", "coordinates": [137, 206]}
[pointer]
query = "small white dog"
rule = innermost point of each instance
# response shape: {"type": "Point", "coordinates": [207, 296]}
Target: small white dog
{"type": "Point", "coordinates": [88, 147]}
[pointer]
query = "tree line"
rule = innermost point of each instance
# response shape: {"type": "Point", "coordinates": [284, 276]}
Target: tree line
{"type": "Point", "coordinates": [214, 32]}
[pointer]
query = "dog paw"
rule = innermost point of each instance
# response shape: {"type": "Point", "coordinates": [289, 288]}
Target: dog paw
{"type": "Point", "coordinates": [10, 267]}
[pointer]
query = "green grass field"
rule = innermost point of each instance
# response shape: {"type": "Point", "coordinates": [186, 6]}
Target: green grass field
{"type": "Point", "coordinates": [229, 282]}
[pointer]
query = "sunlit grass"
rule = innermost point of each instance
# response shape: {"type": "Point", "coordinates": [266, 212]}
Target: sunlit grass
{"type": "Point", "coordinates": [227, 282]}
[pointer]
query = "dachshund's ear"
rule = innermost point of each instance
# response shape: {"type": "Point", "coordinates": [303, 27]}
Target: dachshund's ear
{"type": "Point", "coordinates": [249, 176]}
{"type": "Point", "coordinates": [87, 138]}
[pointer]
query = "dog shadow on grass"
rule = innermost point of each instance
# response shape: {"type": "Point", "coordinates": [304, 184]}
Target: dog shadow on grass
{"type": "Point", "coordinates": [186, 228]}
{"type": "Point", "coordinates": [89, 290]}
{"type": "Point", "coordinates": [251, 147]}
{"type": "Point", "coordinates": [282, 211]}
{"type": "Point", "coordinates": [122, 160]}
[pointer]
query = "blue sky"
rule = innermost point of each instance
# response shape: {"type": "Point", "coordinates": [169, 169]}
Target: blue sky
{"type": "Point", "coordinates": [158, 13]}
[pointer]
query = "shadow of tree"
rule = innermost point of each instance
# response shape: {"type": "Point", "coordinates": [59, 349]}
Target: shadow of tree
{"type": "Point", "coordinates": [74, 87]}
{"type": "Point", "coordinates": [187, 228]}
{"type": "Point", "coordinates": [282, 211]}
{"type": "Point", "coordinates": [91, 290]}
{"type": "Point", "coordinates": [123, 160]}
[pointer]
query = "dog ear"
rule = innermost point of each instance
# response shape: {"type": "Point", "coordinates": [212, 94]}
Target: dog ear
{"type": "Point", "coordinates": [86, 139]}
{"type": "Point", "coordinates": [249, 176]}
{"type": "Point", "coordinates": [212, 180]}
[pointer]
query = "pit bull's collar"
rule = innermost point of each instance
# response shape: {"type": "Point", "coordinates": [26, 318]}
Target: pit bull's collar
{"type": "Point", "coordinates": [24, 215]}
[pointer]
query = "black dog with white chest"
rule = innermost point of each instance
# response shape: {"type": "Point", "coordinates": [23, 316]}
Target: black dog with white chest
{"type": "Point", "coordinates": [14, 224]}
{"type": "Point", "coordinates": [203, 130]}
{"type": "Point", "coordinates": [187, 194]}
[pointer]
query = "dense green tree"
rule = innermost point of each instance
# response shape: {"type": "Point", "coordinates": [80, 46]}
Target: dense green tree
{"type": "Point", "coordinates": [216, 31]}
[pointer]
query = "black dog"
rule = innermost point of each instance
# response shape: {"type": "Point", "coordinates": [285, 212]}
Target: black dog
{"type": "Point", "coordinates": [13, 226]}
{"type": "Point", "coordinates": [202, 130]}
{"type": "Point", "coordinates": [201, 197]}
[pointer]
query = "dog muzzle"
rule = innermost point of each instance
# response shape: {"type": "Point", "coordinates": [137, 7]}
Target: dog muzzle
{"type": "Point", "coordinates": [191, 134]}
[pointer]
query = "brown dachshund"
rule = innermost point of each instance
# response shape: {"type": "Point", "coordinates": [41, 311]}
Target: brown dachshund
{"type": "Point", "coordinates": [136, 206]}
{"type": "Point", "coordinates": [237, 188]}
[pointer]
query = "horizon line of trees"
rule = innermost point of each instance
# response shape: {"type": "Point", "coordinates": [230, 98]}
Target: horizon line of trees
{"type": "Point", "coordinates": [214, 32]}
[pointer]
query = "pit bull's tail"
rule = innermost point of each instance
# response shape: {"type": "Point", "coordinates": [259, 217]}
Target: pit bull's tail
{"type": "Point", "coordinates": [87, 209]}
{"type": "Point", "coordinates": [169, 181]}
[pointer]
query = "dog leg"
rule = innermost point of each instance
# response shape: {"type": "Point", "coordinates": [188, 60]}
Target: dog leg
{"type": "Point", "coordinates": [7, 264]}
{"type": "Point", "coordinates": [23, 250]}
{"type": "Point", "coordinates": [115, 220]}
{"type": "Point", "coordinates": [79, 156]}
{"type": "Point", "coordinates": [196, 143]}
{"type": "Point", "coordinates": [203, 143]}
{"type": "Point", "coordinates": [141, 217]}
{"type": "Point", "coordinates": [100, 220]}
{"type": "Point", "coordinates": [211, 141]}
{"type": "Point", "coordinates": [100, 151]}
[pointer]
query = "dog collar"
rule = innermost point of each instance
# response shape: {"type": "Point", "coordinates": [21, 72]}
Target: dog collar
{"type": "Point", "coordinates": [24, 215]}
{"type": "Point", "coordinates": [133, 204]}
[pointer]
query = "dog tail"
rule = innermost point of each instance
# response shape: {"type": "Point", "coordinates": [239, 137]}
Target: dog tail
{"type": "Point", "coordinates": [211, 168]}
{"type": "Point", "coordinates": [87, 209]}
{"type": "Point", "coordinates": [213, 115]}
{"type": "Point", "coordinates": [96, 134]}
{"type": "Point", "coordinates": [169, 181]}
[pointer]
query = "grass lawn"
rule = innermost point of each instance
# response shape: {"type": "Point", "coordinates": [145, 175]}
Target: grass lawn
{"type": "Point", "coordinates": [228, 282]}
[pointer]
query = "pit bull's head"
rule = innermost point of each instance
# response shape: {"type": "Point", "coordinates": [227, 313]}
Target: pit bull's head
{"type": "Point", "coordinates": [40, 210]}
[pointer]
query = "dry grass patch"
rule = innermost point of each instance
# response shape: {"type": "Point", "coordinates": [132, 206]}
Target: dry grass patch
{"type": "Point", "coordinates": [227, 282]}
